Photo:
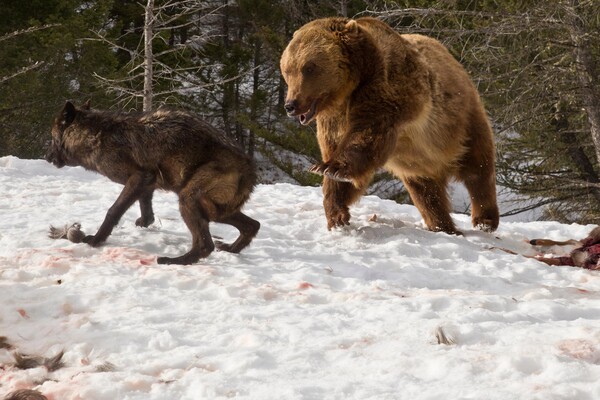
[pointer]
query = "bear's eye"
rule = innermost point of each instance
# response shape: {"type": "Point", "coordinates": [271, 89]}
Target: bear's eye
{"type": "Point", "coordinates": [309, 69]}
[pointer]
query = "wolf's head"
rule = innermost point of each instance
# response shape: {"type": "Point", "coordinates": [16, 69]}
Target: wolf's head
{"type": "Point", "coordinates": [57, 154]}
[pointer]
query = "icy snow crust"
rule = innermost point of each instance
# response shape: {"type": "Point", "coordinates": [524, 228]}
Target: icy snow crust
{"type": "Point", "coordinates": [302, 313]}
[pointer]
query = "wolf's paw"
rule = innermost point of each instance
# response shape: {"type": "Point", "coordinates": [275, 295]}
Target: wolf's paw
{"type": "Point", "coordinates": [222, 246]}
{"type": "Point", "coordinates": [92, 240]}
{"type": "Point", "coordinates": [144, 221]}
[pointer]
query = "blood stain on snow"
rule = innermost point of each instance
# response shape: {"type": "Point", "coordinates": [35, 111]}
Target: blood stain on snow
{"type": "Point", "coordinates": [132, 257]}
{"type": "Point", "coordinates": [580, 349]}
{"type": "Point", "coordinates": [305, 285]}
{"type": "Point", "coordinates": [147, 261]}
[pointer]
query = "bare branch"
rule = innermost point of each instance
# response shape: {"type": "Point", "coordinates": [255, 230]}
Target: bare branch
{"type": "Point", "coordinates": [22, 71]}
{"type": "Point", "coordinates": [25, 31]}
{"type": "Point", "coordinates": [102, 38]}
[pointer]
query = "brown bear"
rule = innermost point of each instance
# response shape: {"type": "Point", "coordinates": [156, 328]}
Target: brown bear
{"type": "Point", "coordinates": [401, 102]}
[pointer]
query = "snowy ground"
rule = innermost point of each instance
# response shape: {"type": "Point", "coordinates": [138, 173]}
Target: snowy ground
{"type": "Point", "coordinates": [302, 313]}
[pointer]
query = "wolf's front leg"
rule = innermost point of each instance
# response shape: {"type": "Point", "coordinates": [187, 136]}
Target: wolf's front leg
{"type": "Point", "coordinates": [147, 217]}
{"type": "Point", "coordinates": [137, 185]}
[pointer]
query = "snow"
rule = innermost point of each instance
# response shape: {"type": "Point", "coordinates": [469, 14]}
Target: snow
{"type": "Point", "coordinates": [302, 313]}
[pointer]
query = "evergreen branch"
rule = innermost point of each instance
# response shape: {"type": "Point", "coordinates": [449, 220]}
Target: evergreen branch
{"type": "Point", "coordinates": [534, 206]}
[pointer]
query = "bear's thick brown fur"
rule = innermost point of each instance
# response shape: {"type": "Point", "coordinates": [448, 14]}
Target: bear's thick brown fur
{"type": "Point", "coordinates": [401, 102]}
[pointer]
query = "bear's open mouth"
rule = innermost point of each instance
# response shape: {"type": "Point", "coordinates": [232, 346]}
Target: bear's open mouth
{"type": "Point", "coordinates": [309, 115]}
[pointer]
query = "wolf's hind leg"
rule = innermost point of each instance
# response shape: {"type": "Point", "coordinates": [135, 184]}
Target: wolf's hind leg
{"type": "Point", "coordinates": [193, 208]}
{"type": "Point", "coordinates": [248, 228]}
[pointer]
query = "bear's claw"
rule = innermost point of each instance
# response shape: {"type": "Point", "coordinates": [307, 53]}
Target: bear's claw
{"type": "Point", "coordinates": [318, 168]}
{"type": "Point", "coordinates": [330, 171]}
{"type": "Point", "coordinates": [337, 217]}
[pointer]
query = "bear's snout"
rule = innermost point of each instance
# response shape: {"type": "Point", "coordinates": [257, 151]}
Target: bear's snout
{"type": "Point", "coordinates": [305, 113]}
{"type": "Point", "coordinates": [290, 107]}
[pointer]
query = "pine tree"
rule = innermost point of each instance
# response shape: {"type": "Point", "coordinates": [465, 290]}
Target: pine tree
{"type": "Point", "coordinates": [57, 66]}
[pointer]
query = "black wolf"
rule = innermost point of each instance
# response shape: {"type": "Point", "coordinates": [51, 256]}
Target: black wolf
{"type": "Point", "coordinates": [25, 394]}
{"type": "Point", "coordinates": [165, 149]}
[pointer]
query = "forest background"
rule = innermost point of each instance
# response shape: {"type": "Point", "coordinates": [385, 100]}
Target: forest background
{"type": "Point", "coordinates": [535, 64]}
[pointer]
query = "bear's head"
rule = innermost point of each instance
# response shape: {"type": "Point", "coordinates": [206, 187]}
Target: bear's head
{"type": "Point", "coordinates": [317, 68]}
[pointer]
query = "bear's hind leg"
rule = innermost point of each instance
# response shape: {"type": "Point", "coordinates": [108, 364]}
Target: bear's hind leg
{"type": "Point", "coordinates": [431, 199]}
{"type": "Point", "coordinates": [477, 171]}
{"type": "Point", "coordinates": [484, 209]}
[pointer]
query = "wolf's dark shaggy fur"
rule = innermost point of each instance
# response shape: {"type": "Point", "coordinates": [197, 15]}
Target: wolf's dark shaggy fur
{"type": "Point", "coordinates": [164, 149]}
{"type": "Point", "coordinates": [25, 394]}
{"type": "Point", "coordinates": [4, 343]}
{"type": "Point", "coordinates": [24, 361]}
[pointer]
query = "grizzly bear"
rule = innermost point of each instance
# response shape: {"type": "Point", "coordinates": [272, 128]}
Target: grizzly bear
{"type": "Point", "coordinates": [401, 102]}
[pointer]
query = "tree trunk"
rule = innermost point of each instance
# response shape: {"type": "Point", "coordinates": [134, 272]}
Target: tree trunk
{"type": "Point", "coordinates": [148, 55]}
{"type": "Point", "coordinates": [227, 86]}
{"type": "Point", "coordinates": [254, 104]}
{"type": "Point", "coordinates": [237, 106]}
{"type": "Point", "coordinates": [585, 65]}
{"type": "Point", "coordinates": [576, 152]}
{"type": "Point", "coordinates": [344, 8]}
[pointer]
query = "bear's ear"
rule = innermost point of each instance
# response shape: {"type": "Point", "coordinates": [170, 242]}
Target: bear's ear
{"type": "Point", "coordinates": [86, 105]}
{"type": "Point", "coordinates": [351, 27]}
{"type": "Point", "coordinates": [345, 29]}
{"type": "Point", "coordinates": [337, 25]}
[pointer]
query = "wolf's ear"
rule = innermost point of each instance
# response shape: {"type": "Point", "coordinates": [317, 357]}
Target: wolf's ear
{"type": "Point", "coordinates": [68, 113]}
{"type": "Point", "coordinates": [86, 105]}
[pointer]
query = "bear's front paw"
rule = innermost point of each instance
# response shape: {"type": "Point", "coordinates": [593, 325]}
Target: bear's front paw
{"type": "Point", "coordinates": [331, 170]}
{"type": "Point", "coordinates": [337, 217]}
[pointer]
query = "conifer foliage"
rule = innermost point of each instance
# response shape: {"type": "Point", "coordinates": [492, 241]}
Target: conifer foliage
{"type": "Point", "coordinates": [535, 63]}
